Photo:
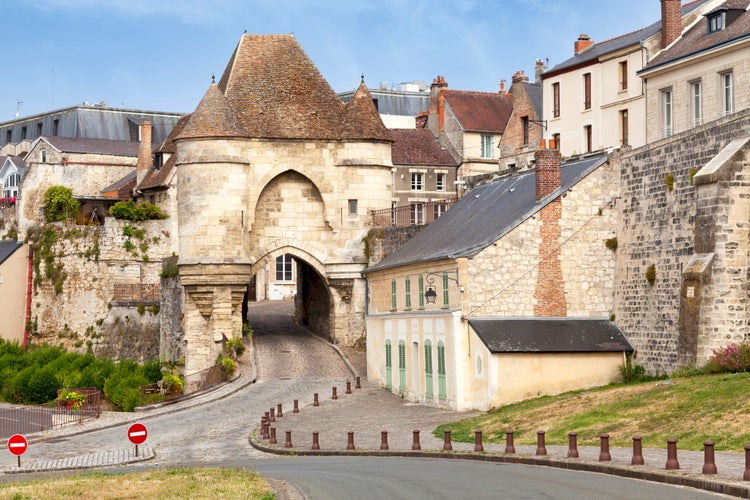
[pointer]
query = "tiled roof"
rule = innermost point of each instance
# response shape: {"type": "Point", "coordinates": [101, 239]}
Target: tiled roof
{"type": "Point", "coordinates": [157, 178]}
{"type": "Point", "coordinates": [93, 146]}
{"type": "Point", "coordinates": [168, 146]}
{"type": "Point", "coordinates": [362, 117]}
{"type": "Point", "coordinates": [418, 147]}
{"type": "Point", "coordinates": [214, 117]}
{"type": "Point", "coordinates": [480, 111]}
{"type": "Point", "coordinates": [122, 189]}
{"type": "Point", "coordinates": [697, 39]}
{"type": "Point", "coordinates": [277, 92]}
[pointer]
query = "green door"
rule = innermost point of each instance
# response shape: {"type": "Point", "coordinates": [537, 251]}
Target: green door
{"type": "Point", "coordinates": [388, 365]}
{"type": "Point", "coordinates": [401, 366]}
{"type": "Point", "coordinates": [442, 393]}
{"type": "Point", "coordinates": [428, 369]}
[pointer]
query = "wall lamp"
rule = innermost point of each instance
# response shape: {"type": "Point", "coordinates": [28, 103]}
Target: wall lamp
{"type": "Point", "coordinates": [541, 123]}
{"type": "Point", "coordinates": [430, 295]}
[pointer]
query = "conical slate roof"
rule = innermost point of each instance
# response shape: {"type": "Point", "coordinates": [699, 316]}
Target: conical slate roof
{"type": "Point", "coordinates": [214, 117]}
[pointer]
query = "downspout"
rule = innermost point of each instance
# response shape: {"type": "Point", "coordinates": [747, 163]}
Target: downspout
{"type": "Point", "coordinates": [29, 282]}
{"type": "Point", "coordinates": [644, 93]}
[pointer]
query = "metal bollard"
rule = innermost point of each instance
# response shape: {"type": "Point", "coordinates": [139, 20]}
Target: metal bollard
{"type": "Point", "coordinates": [272, 439]}
{"type": "Point", "coordinates": [315, 445]}
{"type": "Point", "coordinates": [746, 475]}
{"type": "Point", "coordinates": [278, 411]}
{"type": "Point", "coordinates": [288, 442]}
{"type": "Point", "coordinates": [447, 446]}
{"type": "Point", "coordinates": [272, 415]}
{"type": "Point", "coordinates": [604, 455]}
{"type": "Point", "coordinates": [637, 451]}
{"type": "Point", "coordinates": [333, 393]}
{"type": "Point", "coordinates": [415, 446]}
{"type": "Point", "coordinates": [709, 459]}
{"type": "Point", "coordinates": [541, 449]}
{"type": "Point", "coordinates": [264, 428]}
{"type": "Point", "coordinates": [572, 445]}
{"type": "Point", "coordinates": [350, 441]}
{"type": "Point", "coordinates": [315, 399]}
{"type": "Point", "coordinates": [348, 387]}
{"type": "Point", "coordinates": [383, 440]}
{"type": "Point", "coordinates": [356, 383]}
{"type": "Point", "coordinates": [509, 447]}
{"type": "Point", "coordinates": [478, 447]}
{"type": "Point", "coordinates": [296, 407]}
{"type": "Point", "coordinates": [672, 463]}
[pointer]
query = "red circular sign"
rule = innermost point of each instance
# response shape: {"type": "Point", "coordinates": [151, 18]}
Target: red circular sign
{"type": "Point", "coordinates": [137, 433]}
{"type": "Point", "coordinates": [17, 444]}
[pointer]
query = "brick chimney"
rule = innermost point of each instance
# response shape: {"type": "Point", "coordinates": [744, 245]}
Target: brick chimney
{"type": "Point", "coordinates": [539, 69]}
{"type": "Point", "coordinates": [435, 117]}
{"type": "Point", "coordinates": [671, 21]}
{"type": "Point", "coordinates": [547, 171]}
{"type": "Point", "coordinates": [502, 86]}
{"type": "Point", "coordinates": [520, 76]}
{"type": "Point", "coordinates": [583, 43]}
{"type": "Point", "coordinates": [144, 153]}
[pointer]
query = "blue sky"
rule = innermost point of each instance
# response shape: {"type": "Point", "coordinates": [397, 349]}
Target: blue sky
{"type": "Point", "coordinates": [159, 55]}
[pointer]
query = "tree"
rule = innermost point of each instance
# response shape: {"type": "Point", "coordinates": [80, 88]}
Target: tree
{"type": "Point", "coordinates": [60, 204]}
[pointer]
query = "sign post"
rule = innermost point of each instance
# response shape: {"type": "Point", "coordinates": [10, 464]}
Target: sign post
{"type": "Point", "coordinates": [17, 445]}
{"type": "Point", "coordinates": [137, 434]}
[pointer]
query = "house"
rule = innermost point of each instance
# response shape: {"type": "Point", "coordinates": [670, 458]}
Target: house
{"type": "Point", "coordinates": [594, 100]}
{"type": "Point", "coordinates": [506, 296]}
{"type": "Point", "coordinates": [697, 79]}
{"type": "Point", "coordinates": [12, 169]}
{"type": "Point", "coordinates": [399, 106]}
{"type": "Point", "coordinates": [469, 124]}
{"type": "Point", "coordinates": [525, 127]}
{"type": "Point", "coordinates": [13, 290]}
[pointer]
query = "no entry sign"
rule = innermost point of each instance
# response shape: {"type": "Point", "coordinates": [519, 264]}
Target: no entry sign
{"type": "Point", "coordinates": [17, 444]}
{"type": "Point", "coordinates": [137, 433]}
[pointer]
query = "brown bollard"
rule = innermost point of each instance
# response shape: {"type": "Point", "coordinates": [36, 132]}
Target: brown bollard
{"type": "Point", "coordinates": [746, 475]}
{"type": "Point", "coordinates": [315, 399]}
{"type": "Point", "coordinates": [272, 415]}
{"type": "Point", "coordinates": [604, 455]}
{"type": "Point", "coordinates": [447, 446]}
{"type": "Point", "coordinates": [383, 440]}
{"type": "Point", "coordinates": [637, 451]}
{"type": "Point", "coordinates": [272, 439]}
{"type": "Point", "coordinates": [350, 441]}
{"type": "Point", "coordinates": [672, 463]}
{"type": "Point", "coordinates": [415, 446]}
{"type": "Point", "coordinates": [348, 387]}
{"type": "Point", "coordinates": [572, 445]}
{"type": "Point", "coordinates": [541, 449]}
{"type": "Point", "coordinates": [356, 383]}
{"type": "Point", "coordinates": [296, 406]}
{"type": "Point", "coordinates": [509, 447]}
{"type": "Point", "coordinates": [709, 460]}
{"type": "Point", "coordinates": [333, 393]}
{"type": "Point", "coordinates": [315, 445]}
{"type": "Point", "coordinates": [278, 411]}
{"type": "Point", "coordinates": [478, 447]}
{"type": "Point", "coordinates": [264, 429]}
{"type": "Point", "coordinates": [288, 442]}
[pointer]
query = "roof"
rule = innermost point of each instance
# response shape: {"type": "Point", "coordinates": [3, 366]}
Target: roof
{"type": "Point", "coordinates": [122, 189]}
{"type": "Point", "coordinates": [480, 111]}
{"type": "Point", "coordinates": [275, 91]}
{"type": "Point", "coordinates": [592, 53]}
{"type": "Point", "coordinates": [535, 93]}
{"type": "Point", "coordinates": [7, 248]}
{"type": "Point", "coordinates": [418, 147]}
{"type": "Point", "coordinates": [540, 335]}
{"type": "Point", "coordinates": [483, 216]}
{"type": "Point", "coordinates": [697, 39]}
{"type": "Point", "coordinates": [93, 146]}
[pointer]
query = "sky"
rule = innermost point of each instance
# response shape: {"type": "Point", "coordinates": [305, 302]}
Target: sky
{"type": "Point", "coordinates": [159, 55]}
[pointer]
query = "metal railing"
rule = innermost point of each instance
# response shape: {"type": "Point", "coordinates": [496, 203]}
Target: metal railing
{"type": "Point", "coordinates": [37, 418]}
{"type": "Point", "coordinates": [412, 215]}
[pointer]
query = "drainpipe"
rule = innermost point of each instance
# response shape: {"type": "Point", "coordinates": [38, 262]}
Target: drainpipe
{"type": "Point", "coordinates": [29, 282]}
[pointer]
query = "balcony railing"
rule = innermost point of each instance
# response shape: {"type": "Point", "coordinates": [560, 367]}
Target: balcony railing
{"type": "Point", "coordinates": [412, 215]}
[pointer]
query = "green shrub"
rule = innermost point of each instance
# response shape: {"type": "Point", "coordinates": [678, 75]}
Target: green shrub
{"type": "Point", "coordinates": [173, 385]}
{"type": "Point", "coordinates": [123, 389]}
{"type": "Point", "coordinates": [59, 204]}
{"type": "Point", "coordinates": [669, 181]}
{"type": "Point", "coordinates": [235, 347]}
{"type": "Point", "coordinates": [651, 274]}
{"type": "Point", "coordinates": [128, 210]}
{"type": "Point", "coordinates": [228, 366]}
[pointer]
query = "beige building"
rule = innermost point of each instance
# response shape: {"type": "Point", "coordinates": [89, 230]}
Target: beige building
{"type": "Point", "coordinates": [595, 100]}
{"type": "Point", "coordinates": [13, 290]}
{"type": "Point", "coordinates": [506, 296]}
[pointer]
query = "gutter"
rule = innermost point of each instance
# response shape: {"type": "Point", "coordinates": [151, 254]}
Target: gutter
{"type": "Point", "coordinates": [29, 282]}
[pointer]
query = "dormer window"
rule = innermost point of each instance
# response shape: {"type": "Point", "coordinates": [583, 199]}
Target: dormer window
{"type": "Point", "coordinates": [716, 21]}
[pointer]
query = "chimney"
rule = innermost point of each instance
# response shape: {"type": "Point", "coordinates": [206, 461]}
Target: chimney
{"type": "Point", "coordinates": [144, 153]}
{"type": "Point", "coordinates": [538, 70]}
{"type": "Point", "coordinates": [520, 76]}
{"type": "Point", "coordinates": [671, 21]}
{"type": "Point", "coordinates": [502, 86]}
{"type": "Point", "coordinates": [547, 172]}
{"type": "Point", "coordinates": [435, 118]}
{"type": "Point", "coordinates": [583, 43]}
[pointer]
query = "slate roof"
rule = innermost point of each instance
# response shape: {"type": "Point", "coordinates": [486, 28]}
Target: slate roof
{"type": "Point", "coordinates": [550, 335]}
{"type": "Point", "coordinates": [483, 216]}
{"type": "Point", "coordinates": [597, 50]}
{"type": "Point", "coordinates": [697, 39]}
{"type": "Point", "coordinates": [122, 189]}
{"type": "Point", "coordinates": [480, 111]}
{"type": "Point", "coordinates": [275, 91]}
{"type": "Point", "coordinates": [535, 93]}
{"type": "Point", "coordinates": [418, 147]}
{"type": "Point", "coordinates": [7, 248]}
{"type": "Point", "coordinates": [93, 146]}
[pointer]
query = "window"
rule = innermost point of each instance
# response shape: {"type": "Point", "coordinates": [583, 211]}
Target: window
{"type": "Point", "coordinates": [55, 126]}
{"type": "Point", "coordinates": [623, 75]}
{"type": "Point", "coordinates": [624, 128]}
{"type": "Point", "coordinates": [23, 132]}
{"type": "Point", "coordinates": [417, 213]}
{"type": "Point", "coordinates": [587, 133]}
{"type": "Point", "coordinates": [486, 146]}
{"type": "Point", "coordinates": [388, 364]}
{"type": "Point", "coordinates": [10, 187]}
{"type": "Point", "coordinates": [407, 289]}
{"type": "Point", "coordinates": [666, 112]}
{"type": "Point", "coordinates": [525, 125]}
{"type": "Point", "coordinates": [439, 209]}
{"type": "Point", "coordinates": [556, 100]}
{"type": "Point", "coordinates": [440, 182]}
{"type": "Point", "coordinates": [587, 91]}
{"type": "Point", "coordinates": [8, 135]}
{"type": "Point", "coordinates": [716, 22]}
{"type": "Point", "coordinates": [727, 94]}
{"type": "Point", "coordinates": [428, 369]}
{"type": "Point", "coordinates": [556, 140]}
{"type": "Point", "coordinates": [44, 155]}
{"type": "Point", "coordinates": [38, 129]}
{"type": "Point", "coordinates": [284, 268]}
{"type": "Point", "coordinates": [417, 181]}
{"type": "Point", "coordinates": [696, 103]}
{"type": "Point", "coordinates": [394, 304]}
{"type": "Point", "coordinates": [352, 207]}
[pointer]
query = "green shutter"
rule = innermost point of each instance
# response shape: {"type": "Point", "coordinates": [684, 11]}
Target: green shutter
{"type": "Point", "coordinates": [428, 369]}
{"type": "Point", "coordinates": [401, 366]}
{"type": "Point", "coordinates": [421, 292]}
{"type": "Point", "coordinates": [393, 295]}
{"type": "Point", "coordinates": [407, 286]}
{"type": "Point", "coordinates": [442, 393]}
{"type": "Point", "coordinates": [388, 365]}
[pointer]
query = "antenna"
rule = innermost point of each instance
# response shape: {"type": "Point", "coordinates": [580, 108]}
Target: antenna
{"type": "Point", "coordinates": [18, 107]}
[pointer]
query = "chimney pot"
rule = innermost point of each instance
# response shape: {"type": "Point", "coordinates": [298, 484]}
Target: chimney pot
{"type": "Point", "coordinates": [583, 42]}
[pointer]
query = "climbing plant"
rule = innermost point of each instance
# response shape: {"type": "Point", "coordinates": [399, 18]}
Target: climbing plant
{"type": "Point", "coordinates": [59, 204]}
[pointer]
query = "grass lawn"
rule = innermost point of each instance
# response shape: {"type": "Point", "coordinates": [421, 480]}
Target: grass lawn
{"type": "Point", "coordinates": [692, 410]}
